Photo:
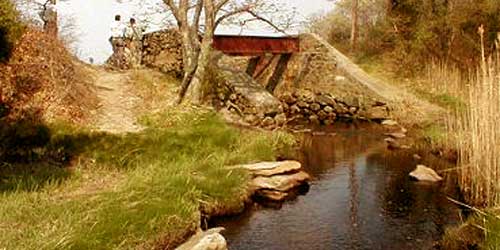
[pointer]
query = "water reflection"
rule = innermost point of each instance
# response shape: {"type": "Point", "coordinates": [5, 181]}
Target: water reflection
{"type": "Point", "coordinates": [361, 198]}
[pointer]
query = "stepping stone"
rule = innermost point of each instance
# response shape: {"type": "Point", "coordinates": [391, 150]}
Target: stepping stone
{"type": "Point", "coordinates": [423, 173]}
{"type": "Point", "coordinates": [282, 183]}
{"type": "Point", "coordinates": [207, 240]}
{"type": "Point", "coordinates": [271, 168]}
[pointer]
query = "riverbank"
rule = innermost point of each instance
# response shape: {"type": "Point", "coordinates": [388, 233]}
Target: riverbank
{"type": "Point", "coordinates": [144, 189]}
{"type": "Point", "coordinates": [141, 175]}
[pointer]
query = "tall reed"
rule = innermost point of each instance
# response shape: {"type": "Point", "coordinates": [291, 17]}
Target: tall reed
{"type": "Point", "coordinates": [476, 135]}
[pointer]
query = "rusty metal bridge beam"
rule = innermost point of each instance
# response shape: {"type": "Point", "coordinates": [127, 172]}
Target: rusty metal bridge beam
{"type": "Point", "coordinates": [252, 65]}
{"type": "Point", "coordinates": [278, 72]}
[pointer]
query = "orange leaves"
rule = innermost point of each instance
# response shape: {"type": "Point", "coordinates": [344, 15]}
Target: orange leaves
{"type": "Point", "coordinates": [37, 78]}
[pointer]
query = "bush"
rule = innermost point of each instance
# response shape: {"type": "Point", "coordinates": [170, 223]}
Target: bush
{"type": "Point", "coordinates": [11, 28]}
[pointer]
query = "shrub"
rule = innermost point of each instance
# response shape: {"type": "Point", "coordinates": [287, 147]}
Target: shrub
{"type": "Point", "coordinates": [11, 28]}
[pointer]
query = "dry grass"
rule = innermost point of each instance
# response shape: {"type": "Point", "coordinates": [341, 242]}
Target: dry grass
{"type": "Point", "coordinates": [475, 135]}
{"type": "Point", "coordinates": [42, 80]}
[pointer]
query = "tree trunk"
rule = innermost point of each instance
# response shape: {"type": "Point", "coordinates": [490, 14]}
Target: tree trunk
{"type": "Point", "coordinates": [195, 90]}
{"type": "Point", "coordinates": [199, 57]}
{"type": "Point", "coordinates": [189, 60]}
{"type": "Point", "coordinates": [354, 25]}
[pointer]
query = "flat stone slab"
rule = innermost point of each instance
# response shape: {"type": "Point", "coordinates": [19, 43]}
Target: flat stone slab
{"type": "Point", "coordinates": [271, 168]}
{"type": "Point", "coordinates": [282, 183]}
{"type": "Point", "coordinates": [389, 123]}
{"type": "Point", "coordinates": [396, 135]}
{"type": "Point", "coordinates": [206, 240]}
{"type": "Point", "coordinates": [423, 173]}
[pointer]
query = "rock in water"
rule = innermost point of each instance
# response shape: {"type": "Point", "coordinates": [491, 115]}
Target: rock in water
{"type": "Point", "coordinates": [389, 123]}
{"type": "Point", "coordinates": [271, 168]}
{"type": "Point", "coordinates": [396, 135]}
{"type": "Point", "coordinates": [282, 183]}
{"type": "Point", "coordinates": [392, 144]}
{"type": "Point", "coordinates": [423, 173]}
{"type": "Point", "coordinates": [208, 240]}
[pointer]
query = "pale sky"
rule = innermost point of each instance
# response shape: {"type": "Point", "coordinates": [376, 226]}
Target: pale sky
{"type": "Point", "coordinates": [94, 17]}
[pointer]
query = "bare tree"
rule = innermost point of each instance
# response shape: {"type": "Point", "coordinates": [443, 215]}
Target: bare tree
{"type": "Point", "coordinates": [195, 17]}
{"type": "Point", "coordinates": [42, 12]}
{"type": "Point", "coordinates": [49, 17]}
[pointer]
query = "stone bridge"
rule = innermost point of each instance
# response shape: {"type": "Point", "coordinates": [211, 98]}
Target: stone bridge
{"type": "Point", "coordinates": [308, 79]}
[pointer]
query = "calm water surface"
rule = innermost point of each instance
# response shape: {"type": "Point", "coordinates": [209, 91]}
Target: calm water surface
{"type": "Point", "coordinates": [360, 198]}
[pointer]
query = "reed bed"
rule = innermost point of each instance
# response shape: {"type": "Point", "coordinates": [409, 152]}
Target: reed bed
{"type": "Point", "coordinates": [475, 133]}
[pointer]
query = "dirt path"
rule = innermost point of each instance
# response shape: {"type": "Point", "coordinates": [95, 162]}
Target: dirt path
{"type": "Point", "coordinates": [117, 102]}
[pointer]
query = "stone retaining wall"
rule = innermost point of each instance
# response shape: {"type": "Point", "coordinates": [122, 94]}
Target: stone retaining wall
{"type": "Point", "coordinates": [162, 50]}
{"type": "Point", "coordinates": [305, 106]}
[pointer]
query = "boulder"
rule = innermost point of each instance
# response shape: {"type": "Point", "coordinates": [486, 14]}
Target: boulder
{"type": "Point", "coordinates": [251, 93]}
{"type": "Point", "coordinates": [271, 168]}
{"type": "Point", "coordinates": [328, 109]}
{"type": "Point", "coordinates": [423, 173]}
{"type": "Point", "coordinates": [282, 183]}
{"type": "Point", "coordinates": [208, 240]}
{"type": "Point", "coordinates": [315, 107]}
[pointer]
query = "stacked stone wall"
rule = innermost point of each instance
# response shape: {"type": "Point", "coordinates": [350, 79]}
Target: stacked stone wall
{"type": "Point", "coordinates": [162, 50]}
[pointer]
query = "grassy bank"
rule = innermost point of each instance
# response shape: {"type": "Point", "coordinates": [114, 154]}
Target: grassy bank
{"type": "Point", "coordinates": [130, 191]}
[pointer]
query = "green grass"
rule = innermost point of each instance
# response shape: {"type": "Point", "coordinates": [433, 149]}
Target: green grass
{"type": "Point", "coordinates": [492, 241]}
{"type": "Point", "coordinates": [480, 231]}
{"type": "Point", "coordinates": [132, 191]}
{"type": "Point", "coordinates": [444, 100]}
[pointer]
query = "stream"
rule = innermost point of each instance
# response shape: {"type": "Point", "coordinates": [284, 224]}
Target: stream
{"type": "Point", "coordinates": [360, 198]}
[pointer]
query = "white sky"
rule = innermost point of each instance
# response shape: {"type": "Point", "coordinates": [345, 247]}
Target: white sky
{"type": "Point", "coordinates": [94, 17]}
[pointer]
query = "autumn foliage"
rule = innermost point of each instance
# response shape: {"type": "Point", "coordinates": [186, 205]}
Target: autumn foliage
{"type": "Point", "coordinates": [42, 81]}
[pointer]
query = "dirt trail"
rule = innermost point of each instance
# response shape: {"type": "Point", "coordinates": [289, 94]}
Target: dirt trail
{"type": "Point", "coordinates": [117, 102]}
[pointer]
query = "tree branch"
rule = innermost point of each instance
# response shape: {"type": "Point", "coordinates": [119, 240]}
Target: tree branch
{"type": "Point", "coordinates": [197, 14]}
{"type": "Point", "coordinates": [173, 8]}
{"type": "Point", "coordinates": [230, 14]}
{"type": "Point", "coordinates": [265, 20]}
{"type": "Point", "coordinates": [221, 4]}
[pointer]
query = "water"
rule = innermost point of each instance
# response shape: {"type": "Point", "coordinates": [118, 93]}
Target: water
{"type": "Point", "coordinates": [361, 198]}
